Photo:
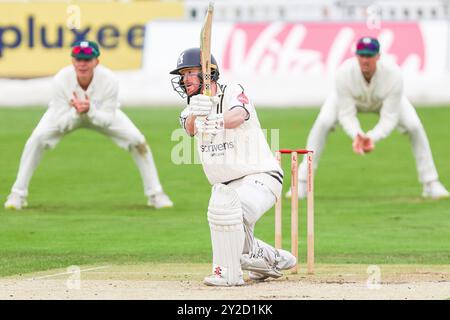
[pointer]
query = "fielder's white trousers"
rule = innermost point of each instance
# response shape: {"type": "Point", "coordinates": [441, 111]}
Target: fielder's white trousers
{"type": "Point", "coordinates": [256, 199]}
{"type": "Point", "coordinates": [409, 123]}
{"type": "Point", "coordinates": [122, 131]}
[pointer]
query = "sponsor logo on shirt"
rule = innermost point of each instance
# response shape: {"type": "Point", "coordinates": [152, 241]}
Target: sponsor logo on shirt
{"type": "Point", "coordinates": [216, 147]}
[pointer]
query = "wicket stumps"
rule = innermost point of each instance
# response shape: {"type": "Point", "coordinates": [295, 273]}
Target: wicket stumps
{"type": "Point", "coordinates": [294, 208]}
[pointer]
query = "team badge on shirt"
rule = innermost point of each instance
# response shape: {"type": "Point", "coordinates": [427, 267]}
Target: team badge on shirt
{"type": "Point", "coordinates": [243, 98]}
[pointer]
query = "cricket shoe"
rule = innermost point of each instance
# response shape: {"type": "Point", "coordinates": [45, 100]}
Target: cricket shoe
{"type": "Point", "coordinates": [159, 200]}
{"type": "Point", "coordinates": [256, 276]}
{"type": "Point", "coordinates": [434, 190]}
{"type": "Point", "coordinates": [266, 261]}
{"type": "Point", "coordinates": [219, 278]}
{"type": "Point", "coordinates": [286, 262]}
{"type": "Point", "coordinates": [301, 190]}
{"type": "Point", "coordinates": [16, 202]}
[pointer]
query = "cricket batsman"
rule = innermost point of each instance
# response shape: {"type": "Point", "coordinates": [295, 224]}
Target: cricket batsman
{"type": "Point", "coordinates": [366, 83]}
{"type": "Point", "coordinates": [245, 176]}
{"type": "Point", "coordinates": [85, 95]}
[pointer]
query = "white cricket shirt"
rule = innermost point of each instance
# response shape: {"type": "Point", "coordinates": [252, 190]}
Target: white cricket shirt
{"type": "Point", "coordinates": [242, 151]}
{"type": "Point", "coordinates": [102, 93]}
{"type": "Point", "coordinates": [382, 95]}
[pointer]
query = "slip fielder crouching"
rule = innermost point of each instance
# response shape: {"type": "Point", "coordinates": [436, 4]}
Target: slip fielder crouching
{"type": "Point", "coordinates": [85, 95]}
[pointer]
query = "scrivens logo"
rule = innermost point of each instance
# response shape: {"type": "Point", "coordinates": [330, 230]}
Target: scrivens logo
{"type": "Point", "coordinates": [216, 147]}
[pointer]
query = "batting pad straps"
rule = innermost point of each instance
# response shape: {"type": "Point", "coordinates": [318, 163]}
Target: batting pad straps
{"type": "Point", "coordinates": [224, 217]}
{"type": "Point", "coordinates": [224, 207]}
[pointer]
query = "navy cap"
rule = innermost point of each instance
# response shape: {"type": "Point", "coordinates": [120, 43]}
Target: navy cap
{"type": "Point", "coordinates": [85, 50]}
{"type": "Point", "coordinates": [367, 46]}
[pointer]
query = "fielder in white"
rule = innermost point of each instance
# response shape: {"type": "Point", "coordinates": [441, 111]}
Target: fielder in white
{"type": "Point", "coordinates": [85, 95]}
{"type": "Point", "coordinates": [367, 84]}
{"type": "Point", "coordinates": [245, 177]}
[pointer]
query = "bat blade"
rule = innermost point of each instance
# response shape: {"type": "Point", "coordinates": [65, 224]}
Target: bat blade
{"type": "Point", "coordinates": [205, 50]}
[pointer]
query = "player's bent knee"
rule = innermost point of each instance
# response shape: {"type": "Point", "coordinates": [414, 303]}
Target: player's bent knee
{"type": "Point", "coordinates": [142, 148]}
{"type": "Point", "coordinates": [138, 143]}
{"type": "Point", "coordinates": [40, 140]}
{"type": "Point", "coordinates": [224, 209]}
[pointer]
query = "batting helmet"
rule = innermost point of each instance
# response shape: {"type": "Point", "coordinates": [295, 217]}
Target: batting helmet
{"type": "Point", "coordinates": [190, 58]}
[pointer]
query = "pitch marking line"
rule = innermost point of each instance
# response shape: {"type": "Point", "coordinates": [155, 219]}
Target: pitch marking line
{"type": "Point", "coordinates": [69, 272]}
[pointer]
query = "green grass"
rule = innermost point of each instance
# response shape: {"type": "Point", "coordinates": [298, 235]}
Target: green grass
{"type": "Point", "coordinates": [87, 205]}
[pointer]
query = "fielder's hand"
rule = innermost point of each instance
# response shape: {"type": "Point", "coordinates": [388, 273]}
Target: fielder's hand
{"type": "Point", "coordinates": [212, 124]}
{"type": "Point", "coordinates": [82, 106]}
{"type": "Point", "coordinates": [363, 144]}
{"type": "Point", "coordinates": [201, 105]}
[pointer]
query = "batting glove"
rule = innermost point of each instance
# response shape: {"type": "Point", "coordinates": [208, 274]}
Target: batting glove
{"type": "Point", "coordinates": [201, 105]}
{"type": "Point", "coordinates": [212, 124]}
